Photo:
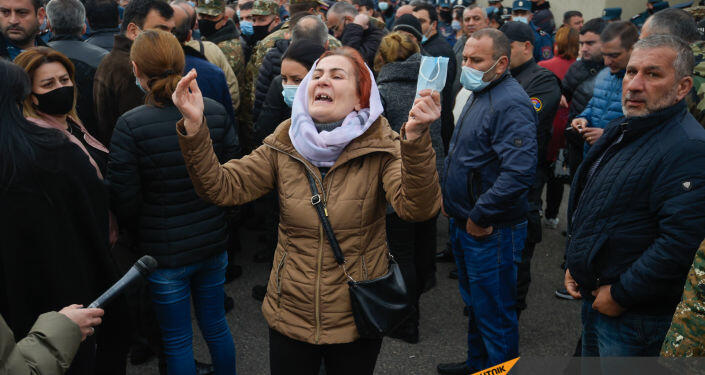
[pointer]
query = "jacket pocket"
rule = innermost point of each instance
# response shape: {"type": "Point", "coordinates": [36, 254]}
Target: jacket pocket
{"type": "Point", "coordinates": [474, 186]}
{"type": "Point", "coordinates": [280, 268]}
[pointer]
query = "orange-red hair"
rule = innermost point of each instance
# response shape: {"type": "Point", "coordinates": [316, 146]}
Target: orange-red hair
{"type": "Point", "coordinates": [364, 82]}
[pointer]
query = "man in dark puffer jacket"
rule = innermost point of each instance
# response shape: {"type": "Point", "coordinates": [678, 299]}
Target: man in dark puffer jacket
{"type": "Point", "coordinates": [579, 83]}
{"type": "Point", "coordinates": [637, 207]}
{"type": "Point", "coordinates": [307, 28]}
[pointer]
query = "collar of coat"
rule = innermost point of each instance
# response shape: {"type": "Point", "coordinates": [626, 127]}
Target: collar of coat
{"type": "Point", "coordinates": [516, 71]}
{"type": "Point", "coordinates": [122, 43]}
{"type": "Point", "coordinates": [636, 126]}
{"type": "Point", "coordinates": [227, 32]}
{"type": "Point", "coordinates": [378, 138]}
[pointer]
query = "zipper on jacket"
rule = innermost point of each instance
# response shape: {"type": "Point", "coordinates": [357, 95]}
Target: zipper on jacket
{"type": "Point", "coordinates": [457, 134]}
{"type": "Point", "coordinates": [604, 159]}
{"type": "Point", "coordinates": [279, 278]}
{"type": "Point", "coordinates": [317, 303]}
{"type": "Point", "coordinates": [319, 260]}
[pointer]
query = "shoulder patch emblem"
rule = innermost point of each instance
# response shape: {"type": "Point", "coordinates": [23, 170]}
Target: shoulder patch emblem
{"type": "Point", "coordinates": [518, 142]}
{"type": "Point", "coordinates": [537, 103]}
{"type": "Point", "coordinates": [546, 52]}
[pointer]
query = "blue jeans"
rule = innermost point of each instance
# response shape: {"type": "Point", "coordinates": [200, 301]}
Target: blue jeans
{"type": "Point", "coordinates": [487, 272]}
{"type": "Point", "coordinates": [628, 335]}
{"type": "Point", "coordinates": [171, 289]}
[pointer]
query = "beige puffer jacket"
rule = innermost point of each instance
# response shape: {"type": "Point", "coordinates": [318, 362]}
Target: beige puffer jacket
{"type": "Point", "coordinates": [307, 295]}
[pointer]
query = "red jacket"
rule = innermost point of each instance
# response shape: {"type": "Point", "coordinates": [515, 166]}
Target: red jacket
{"type": "Point", "coordinates": [559, 66]}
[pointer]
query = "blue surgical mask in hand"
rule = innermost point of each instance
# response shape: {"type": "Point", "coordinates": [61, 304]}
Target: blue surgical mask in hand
{"type": "Point", "coordinates": [247, 28]}
{"type": "Point", "coordinates": [455, 25]}
{"type": "Point", "coordinates": [289, 93]}
{"type": "Point", "coordinates": [471, 79]}
{"type": "Point", "coordinates": [432, 74]}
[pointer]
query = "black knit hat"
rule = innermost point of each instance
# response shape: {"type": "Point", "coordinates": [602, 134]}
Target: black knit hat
{"type": "Point", "coordinates": [304, 52]}
{"type": "Point", "coordinates": [410, 24]}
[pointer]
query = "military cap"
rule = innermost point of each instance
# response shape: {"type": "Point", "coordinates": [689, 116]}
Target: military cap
{"type": "Point", "coordinates": [211, 7]}
{"type": "Point", "coordinates": [684, 5]}
{"type": "Point", "coordinates": [612, 14]}
{"type": "Point", "coordinates": [444, 3]}
{"type": "Point", "coordinates": [264, 8]}
{"type": "Point", "coordinates": [522, 5]}
{"type": "Point", "coordinates": [506, 13]}
{"type": "Point", "coordinates": [320, 2]}
{"type": "Point", "coordinates": [661, 5]}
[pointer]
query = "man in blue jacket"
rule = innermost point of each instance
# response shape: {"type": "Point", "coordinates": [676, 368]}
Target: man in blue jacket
{"type": "Point", "coordinates": [637, 207]}
{"type": "Point", "coordinates": [606, 102]}
{"type": "Point", "coordinates": [490, 166]}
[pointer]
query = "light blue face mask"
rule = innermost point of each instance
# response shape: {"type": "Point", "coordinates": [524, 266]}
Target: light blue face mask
{"type": "Point", "coordinates": [424, 39]}
{"type": "Point", "coordinates": [137, 82]}
{"type": "Point", "coordinates": [520, 19]}
{"type": "Point", "coordinates": [289, 93]}
{"type": "Point", "coordinates": [471, 79]}
{"type": "Point", "coordinates": [238, 14]}
{"type": "Point", "coordinates": [455, 25]}
{"type": "Point", "coordinates": [246, 28]}
{"type": "Point", "coordinates": [383, 5]}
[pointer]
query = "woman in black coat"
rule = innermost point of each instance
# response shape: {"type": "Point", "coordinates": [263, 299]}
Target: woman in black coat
{"type": "Point", "coordinates": [397, 65]}
{"type": "Point", "coordinates": [53, 224]}
{"type": "Point", "coordinates": [151, 190]}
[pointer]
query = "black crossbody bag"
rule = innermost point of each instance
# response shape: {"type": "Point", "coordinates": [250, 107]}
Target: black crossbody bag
{"type": "Point", "coordinates": [379, 305]}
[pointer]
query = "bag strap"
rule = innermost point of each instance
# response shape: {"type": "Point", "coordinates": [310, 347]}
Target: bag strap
{"type": "Point", "coordinates": [317, 202]}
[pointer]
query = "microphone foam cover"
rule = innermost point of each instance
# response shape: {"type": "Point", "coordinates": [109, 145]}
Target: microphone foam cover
{"type": "Point", "coordinates": [146, 265]}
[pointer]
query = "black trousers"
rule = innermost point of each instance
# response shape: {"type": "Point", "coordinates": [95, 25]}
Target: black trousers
{"type": "Point", "coordinates": [414, 247]}
{"type": "Point", "coordinates": [292, 357]}
{"type": "Point", "coordinates": [554, 196]}
{"type": "Point", "coordinates": [533, 236]}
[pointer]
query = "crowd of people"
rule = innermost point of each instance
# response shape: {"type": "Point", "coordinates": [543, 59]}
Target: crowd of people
{"type": "Point", "coordinates": [147, 127]}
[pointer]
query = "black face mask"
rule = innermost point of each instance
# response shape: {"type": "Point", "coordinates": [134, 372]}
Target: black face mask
{"type": "Point", "coordinates": [56, 102]}
{"type": "Point", "coordinates": [446, 16]}
{"type": "Point", "coordinates": [260, 32]}
{"type": "Point", "coordinates": [207, 27]}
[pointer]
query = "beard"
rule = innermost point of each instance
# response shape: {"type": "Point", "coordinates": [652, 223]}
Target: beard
{"type": "Point", "coordinates": [26, 37]}
{"type": "Point", "coordinates": [664, 101]}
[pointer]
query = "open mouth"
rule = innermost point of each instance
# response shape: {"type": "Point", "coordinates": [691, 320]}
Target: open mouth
{"type": "Point", "coordinates": [322, 98]}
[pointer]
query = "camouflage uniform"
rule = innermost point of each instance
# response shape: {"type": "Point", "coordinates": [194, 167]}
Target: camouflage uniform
{"type": "Point", "coordinates": [247, 90]}
{"type": "Point", "coordinates": [686, 338]}
{"type": "Point", "coordinates": [696, 104]}
{"type": "Point", "coordinates": [226, 38]}
{"type": "Point", "coordinates": [697, 12]}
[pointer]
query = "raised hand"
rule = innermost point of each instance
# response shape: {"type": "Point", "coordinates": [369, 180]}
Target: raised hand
{"type": "Point", "coordinates": [426, 110]}
{"type": "Point", "coordinates": [188, 99]}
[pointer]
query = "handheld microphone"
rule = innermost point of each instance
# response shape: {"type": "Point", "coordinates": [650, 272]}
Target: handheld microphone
{"type": "Point", "coordinates": [143, 267]}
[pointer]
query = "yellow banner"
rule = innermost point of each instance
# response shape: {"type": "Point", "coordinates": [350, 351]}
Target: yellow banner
{"type": "Point", "coordinates": [501, 368]}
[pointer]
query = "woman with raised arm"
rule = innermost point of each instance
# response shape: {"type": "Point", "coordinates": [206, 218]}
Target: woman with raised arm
{"type": "Point", "coordinates": [338, 136]}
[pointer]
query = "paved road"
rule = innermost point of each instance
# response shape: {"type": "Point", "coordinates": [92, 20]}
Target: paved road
{"type": "Point", "coordinates": [549, 328]}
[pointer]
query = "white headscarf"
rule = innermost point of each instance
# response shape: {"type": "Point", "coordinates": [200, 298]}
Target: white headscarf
{"type": "Point", "coordinates": [322, 149]}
